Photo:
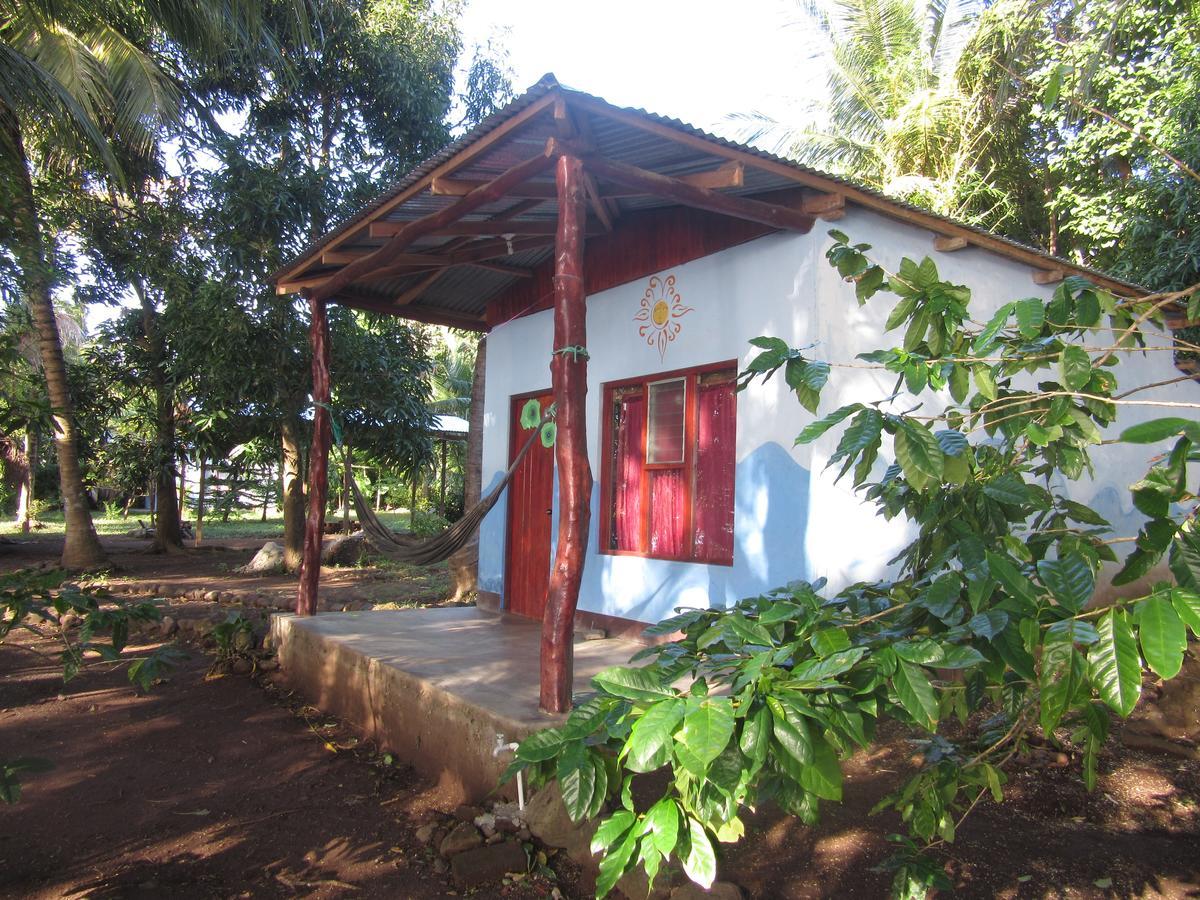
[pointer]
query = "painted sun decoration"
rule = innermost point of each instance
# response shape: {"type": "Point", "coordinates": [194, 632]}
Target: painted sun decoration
{"type": "Point", "coordinates": [661, 308]}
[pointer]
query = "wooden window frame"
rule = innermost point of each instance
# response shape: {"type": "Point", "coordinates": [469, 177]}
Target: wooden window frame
{"type": "Point", "coordinates": [608, 390]}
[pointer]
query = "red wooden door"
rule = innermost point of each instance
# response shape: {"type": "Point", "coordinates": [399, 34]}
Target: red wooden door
{"type": "Point", "coordinates": [530, 498]}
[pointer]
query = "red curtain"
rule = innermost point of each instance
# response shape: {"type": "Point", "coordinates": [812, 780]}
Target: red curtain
{"type": "Point", "coordinates": [668, 512]}
{"type": "Point", "coordinates": [715, 461]}
{"type": "Point", "coordinates": [631, 429]}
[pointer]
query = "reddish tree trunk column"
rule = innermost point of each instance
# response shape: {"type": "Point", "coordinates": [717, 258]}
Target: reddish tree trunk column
{"type": "Point", "coordinates": [318, 461]}
{"type": "Point", "coordinates": [568, 372]}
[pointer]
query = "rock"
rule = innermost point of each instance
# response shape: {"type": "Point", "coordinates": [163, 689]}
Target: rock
{"type": "Point", "coordinates": [486, 823]}
{"type": "Point", "coordinates": [270, 664]}
{"type": "Point", "coordinates": [1171, 712]}
{"type": "Point", "coordinates": [547, 819]}
{"type": "Point", "coordinates": [465, 813]}
{"type": "Point", "coordinates": [634, 884]}
{"type": "Point", "coordinates": [483, 864]}
{"type": "Point", "coordinates": [267, 561]}
{"type": "Point", "coordinates": [212, 596]}
{"type": "Point", "coordinates": [346, 550]}
{"type": "Point", "coordinates": [425, 833]}
{"type": "Point", "coordinates": [494, 838]}
{"type": "Point", "coordinates": [722, 890]}
{"type": "Point", "coordinates": [440, 866]}
{"type": "Point", "coordinates": [242, 666]}
{"type": "Point", "coordinates": [463, 837]}
{"type": "Point", "coordinates": [168, 626]}
{"type": "Point", "coordinates": [68, 620]}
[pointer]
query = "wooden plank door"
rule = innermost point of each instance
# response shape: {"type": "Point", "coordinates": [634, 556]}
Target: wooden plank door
{"type": "Point", "coordinates": [530, 499]}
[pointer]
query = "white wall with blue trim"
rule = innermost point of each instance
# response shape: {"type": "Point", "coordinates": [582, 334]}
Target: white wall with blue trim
{"type": "Point", "coordinates": [791, 519]}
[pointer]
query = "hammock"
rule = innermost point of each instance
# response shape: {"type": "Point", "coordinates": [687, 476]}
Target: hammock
{"type": "Point", "coordinates": [425, 552]}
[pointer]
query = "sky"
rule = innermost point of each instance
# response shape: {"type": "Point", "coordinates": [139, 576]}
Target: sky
{"type": "Point", "coordinates": [699, 61]}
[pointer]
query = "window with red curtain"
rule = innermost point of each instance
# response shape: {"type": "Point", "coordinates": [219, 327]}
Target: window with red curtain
{"type": "Point", "coordinates": [668, 479]}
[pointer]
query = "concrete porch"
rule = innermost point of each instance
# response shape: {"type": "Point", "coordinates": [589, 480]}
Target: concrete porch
{"type": "Point", "coordinates": [433, 686]}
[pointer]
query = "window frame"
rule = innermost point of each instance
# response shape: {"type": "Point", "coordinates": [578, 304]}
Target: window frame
{"type": "Point", "coordinates": [608, 459]}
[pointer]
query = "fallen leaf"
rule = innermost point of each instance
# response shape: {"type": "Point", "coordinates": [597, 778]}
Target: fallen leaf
{"type": "Point", "coordinates": [1103, 882]}
{"type": "Point", "coordinates": [1024, 878]}
{"type": "Point", "coordinates": [194, 812]}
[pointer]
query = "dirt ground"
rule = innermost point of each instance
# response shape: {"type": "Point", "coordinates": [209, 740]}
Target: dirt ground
{"type": "Point", "coordinates": [230, 787]}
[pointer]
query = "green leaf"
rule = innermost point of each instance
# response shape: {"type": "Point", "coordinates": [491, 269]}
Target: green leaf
{"type": "Point", "coordinates": [1162, 635]}
{"type": "Point", "coordinates": [815, 671]}
{"type": "Point", "coordinates": [985, 381]}
{"type": "Point", "coordinates": [1075, 367]}
{"type": "Point", "coordinates": [824, 776]}
{"type": "Point", "coordinates": [540, 745]}
{"type": "Point", "coordinates": [750, 632]}
{"type": "Point", "coordinates": [1020, 587]}
{"type": "Point", "coordinates": [649, 739]}
{"type": "Point", "coordinates": [916, 694]}
{"type": "Point", "coordinates": [614, 863]}
{"type": "Point", "coordinates": [814, 430]}
{"type": "Point", "coordinates": [1053, 86]}
{"type": "Point", "coordinates": [1062, 674]}
{"type": "Point", "coordinates": [986, 338]}
{"type": "Point", "coordinates": [1087, 308]}
{"type": "Point", "coordinates": [1187, 606]}
{"type": "Point", "coordinates": [611, 830]}
{"type": "Point", "coordinates": [1159, 430]}
{"type": "Point", "coordinates": [779, 611]}
{"type": "Point", "coordinates": [988, 624]}
{"type": "Point", "coordinates": [960, 382]}
{"type": "Point", "coordinates": [919, 455]}
{"type": "Point", "coordinates": [755, 737]}
{"type": "Point", "coordinates": [828, 641]}
{"type": "Point", "coordinates": [706, 731]}
{"type": "Point", "coordinates": [791, 731]}
{"type": "Point", "coordinates": [1031, 316]}
{"type": "Point", "coordinates": [632, 683]}
{"type": "Point", "coordinates": [1069, 579]}
{"type": "Point", "coordinates": [700, 863]}
{"type": "Point", "coordinates": [1113, 664]}
{"type": "Point", "coordinates": [662, 826]}
{"type": "Point", "coordinates": [576, 779]}
{"type": "Point", "coordinates": [1007, 487]}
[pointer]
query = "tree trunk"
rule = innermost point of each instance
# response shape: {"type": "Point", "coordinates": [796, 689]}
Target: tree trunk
{"type": "Point", "coordinates": [568, 374]}
{"type": "Point", "coordinates": [318, 462]}
{"type": "Point", "coordinates": [28, 482]}
{"type": "Point", "coordinates": [81, 548]}
{"type": "Point", "coordinates": [347, 474]}
{"type": "Point", "coordinates": [200, 500]}
{"type": "Point", "coordinates": [182, 491]}
{"type": "Point", "coordinates": [293, 494]}
{"type": "Point", "coordinates": [464, 565]}
{"type": "Point", "coordinates": [168, 537]}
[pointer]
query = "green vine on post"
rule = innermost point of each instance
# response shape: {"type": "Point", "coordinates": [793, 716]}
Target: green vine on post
{"type": "Point", "coordinates": [989, 618]}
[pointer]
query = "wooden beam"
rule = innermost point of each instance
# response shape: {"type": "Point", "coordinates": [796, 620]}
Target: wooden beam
{"type": "Point", "coordinates": [412, 293]}
{"type": "Point", "coordinates": [945, 244]}
{"type": "Point", "coordinates": [859, 197]}
{"type": "Point", "coordinates": [460, 187]}
{"type": "Point", "coordinates": [367, 303]}
{"type": "Point", "coordinates": [425, 225]}
{"type": "Point", "coordinates": [568, 374]}
{"type": "Point", "coordinates": [727, 175]}
{"type": "Point", "coordinates": [506, 270]}
{"type": "Point", "coordinates": [1051, 276]}
{"type": "Point", "coordinates": [827, 207]}
{"type": "Point", "coordinates": [318, 461]}
{"type": "Point", "coordinates": [665, 186]}
{"type": "Point", "coordinates": [459, 160]}
{"type": "Point", "coordinates": [489, 228]}
{"type": "Point", "coordinates": [301, 284]}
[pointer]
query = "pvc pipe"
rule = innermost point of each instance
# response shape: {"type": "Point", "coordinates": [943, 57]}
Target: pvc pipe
{"type": "Point", "coordinates": [502, 747]}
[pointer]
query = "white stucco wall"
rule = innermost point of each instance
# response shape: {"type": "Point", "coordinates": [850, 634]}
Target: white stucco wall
{"type": "Point", "coordinates": [791, 519]}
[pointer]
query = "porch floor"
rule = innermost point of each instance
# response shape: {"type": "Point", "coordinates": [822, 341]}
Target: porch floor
{"type": "Point", "coordinates": [433, 686]}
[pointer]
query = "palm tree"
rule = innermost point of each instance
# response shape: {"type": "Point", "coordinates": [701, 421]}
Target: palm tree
{"type": "Point", "coordinates": [895, 116]}
{"type": "Point", "coordinates": [78, 76]}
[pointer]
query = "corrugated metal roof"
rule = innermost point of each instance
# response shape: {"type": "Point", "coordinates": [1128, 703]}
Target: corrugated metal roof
{"type": "Point", "coordinates": [467, 289]}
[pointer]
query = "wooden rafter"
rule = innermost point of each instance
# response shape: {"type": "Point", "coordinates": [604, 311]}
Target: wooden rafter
{"type": "Point", "coordinates": [726, 175]}
{"type": "Point", "coordinates": [490, 228]}
{"type": "Point", "coordinates": [463, 158]}
{"type": "Point", "coordinates": [827, 207]}
{"type": "Point", "coordinates": [769, 214]}
{"type": "Point", "coordinates": [852, 194]}
{"type": "Point", "coordinates": [370, 303]}
{"type": "Point", "coordinates": [488, 193]}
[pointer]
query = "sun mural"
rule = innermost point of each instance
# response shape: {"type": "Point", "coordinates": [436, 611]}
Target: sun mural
{"type": "Point", "coordinates": [661, 308]}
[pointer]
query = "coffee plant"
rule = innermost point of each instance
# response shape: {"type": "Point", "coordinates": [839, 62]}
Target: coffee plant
{"type": "Point", "coordinates": [986, 636]}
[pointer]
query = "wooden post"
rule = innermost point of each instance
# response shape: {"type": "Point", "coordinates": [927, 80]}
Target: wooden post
{"type": "Point", "coordinates": [568, 373]}
{"type": "Point", "coordinates": [318, 461]}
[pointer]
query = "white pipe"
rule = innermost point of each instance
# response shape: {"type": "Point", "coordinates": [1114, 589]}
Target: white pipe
{"type": "Point", "coordinates": [502, 747]}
